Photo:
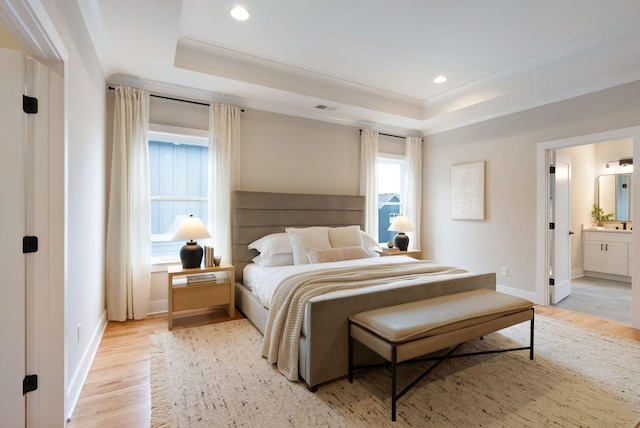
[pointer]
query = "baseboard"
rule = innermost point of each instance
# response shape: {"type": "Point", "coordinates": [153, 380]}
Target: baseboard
{"type": "Point", "coordinates": [529, 295]}
{"type": "Point", "coordinates": [577, 273]}
{"type": "Point", "coordinates": [74, 388]}
{"type": "Point", "coordinates": [158, 307]}
{"type": "Point", "coordinates": [611, 277]}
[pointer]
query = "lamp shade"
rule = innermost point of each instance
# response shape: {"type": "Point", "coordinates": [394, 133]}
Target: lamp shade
{"type": "Point", "coordinates": [190, 229]}
{"type": "Point", "coordinates": [401, 224]}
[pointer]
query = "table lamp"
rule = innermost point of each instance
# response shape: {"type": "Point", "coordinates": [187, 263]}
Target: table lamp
{"type": "Point", "coordinates": [401, 224]}
{"type": "Point", "coordinates": [189, 230]}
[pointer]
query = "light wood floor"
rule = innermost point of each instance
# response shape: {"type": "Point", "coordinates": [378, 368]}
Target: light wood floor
{"type": "Point", "coordinates": [117, 392]}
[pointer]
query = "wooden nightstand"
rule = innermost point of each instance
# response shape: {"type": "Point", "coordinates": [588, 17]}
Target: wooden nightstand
{"type": "Point", "coordinates": [416, 254]}
{"type": "Point", "coordinates": [201, 288]}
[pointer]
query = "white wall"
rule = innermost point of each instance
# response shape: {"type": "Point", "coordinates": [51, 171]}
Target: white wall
{"type": "Point", "coordinates": [85, 301]}
{"type": "Point", "coordinates": [288, 154]}
{"type": "Point", "coordinates": [7, 40]}
{"type": "Point", "coordinates": [508, 144]}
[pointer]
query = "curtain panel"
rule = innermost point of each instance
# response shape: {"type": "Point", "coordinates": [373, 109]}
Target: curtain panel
{"type": "Point", "coordinates": [224, 170]}
{"type": "Point", "coordinates": [128, 243]}
{"type": "Point", "coordinates": [412, 198]}
{"type": "Point", "coordinates": [369, 178]}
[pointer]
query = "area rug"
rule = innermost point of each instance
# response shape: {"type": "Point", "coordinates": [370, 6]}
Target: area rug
{"type": "Point", "coordinates": [214, 376]}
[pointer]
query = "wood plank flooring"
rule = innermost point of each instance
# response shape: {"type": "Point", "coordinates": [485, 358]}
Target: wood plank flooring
{"type": "Point", "coordinates": [117, 391]}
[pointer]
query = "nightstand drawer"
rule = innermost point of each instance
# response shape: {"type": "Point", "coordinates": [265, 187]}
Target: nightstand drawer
{"type": "Point", "coordinates": [198, 296]}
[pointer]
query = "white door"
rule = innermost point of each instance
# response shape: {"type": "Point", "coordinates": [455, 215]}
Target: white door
{"type": "Point", "coordinates": [561, 270]}
{"type": "Point", "coordinates": [12, 224]}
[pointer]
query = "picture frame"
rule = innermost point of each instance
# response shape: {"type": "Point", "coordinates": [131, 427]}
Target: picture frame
{"type": "Point", "coordinates": [468, 191]}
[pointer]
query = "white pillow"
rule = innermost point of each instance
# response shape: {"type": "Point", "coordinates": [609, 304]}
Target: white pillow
{"type": "Point", "coordinates": [275, 243]}
{"type": "Point", "coordinates": [348, 236]}
{"type": "Point", "coordinates": [283, 259]}
{"type": "Point", "coordinates": [301, 239]}
{"type": "Point", "coordinates": [336, 254]}
{"type": "Point", "coordinates": [369, 244]}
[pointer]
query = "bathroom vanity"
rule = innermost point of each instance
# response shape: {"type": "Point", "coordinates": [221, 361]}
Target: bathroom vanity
{"type": "Point", "coordinates": [608, 253]}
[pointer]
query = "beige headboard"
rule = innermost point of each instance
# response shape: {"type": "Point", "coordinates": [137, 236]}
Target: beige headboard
{"type": "Point", "coordinates": [256, 214]}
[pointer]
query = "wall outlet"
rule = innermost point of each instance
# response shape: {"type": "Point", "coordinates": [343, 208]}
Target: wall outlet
{"type": "Point", "coordinates": [504, 271]}
{"type": "Point", "coordinates": [79, 327]}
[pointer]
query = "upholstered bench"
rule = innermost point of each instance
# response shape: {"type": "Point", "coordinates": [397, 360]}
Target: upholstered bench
{"type": "Point", "coordinates": [405, 332]}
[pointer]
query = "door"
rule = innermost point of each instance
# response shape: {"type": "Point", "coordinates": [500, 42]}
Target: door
{"type": "Point", "coordinates": [12, 261]}
{"type": "Point", "coordinates": [561, 210]}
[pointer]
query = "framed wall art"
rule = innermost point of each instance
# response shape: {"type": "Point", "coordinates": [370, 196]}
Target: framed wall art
{"type": "Point", "coordinates": [467, 191]}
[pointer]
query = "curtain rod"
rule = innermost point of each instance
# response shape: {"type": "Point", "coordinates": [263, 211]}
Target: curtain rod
{"type": "Point", "coordinates": [389, 135]}
{"type": "Point", "coordinates": [111, 88]}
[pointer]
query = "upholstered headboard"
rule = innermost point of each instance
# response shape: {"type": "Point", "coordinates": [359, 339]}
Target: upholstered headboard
{"type": "Point", "coordinates": [256, 214]}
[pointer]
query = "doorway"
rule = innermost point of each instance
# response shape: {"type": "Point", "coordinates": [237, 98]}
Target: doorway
{"type": "Point", "coordinates": [543, 237]}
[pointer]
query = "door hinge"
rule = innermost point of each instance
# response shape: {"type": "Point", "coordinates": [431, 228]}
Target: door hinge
{"type": "Point", "coordinates": [552, 281]}
{"type": "Point", "coordinates": [30, 383]}
{"type": "Point", "coordinates": [29, 244]}
{"type": "Point", "coordinates": [552, 169]}
{"type": "Point", "coordinates": [29, 104]}
{"type": "Point", "coordinates": [552, 225]}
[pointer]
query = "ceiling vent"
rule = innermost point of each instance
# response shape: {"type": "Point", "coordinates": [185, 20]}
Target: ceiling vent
{"type": "Point", "coordinates": [324, 107]}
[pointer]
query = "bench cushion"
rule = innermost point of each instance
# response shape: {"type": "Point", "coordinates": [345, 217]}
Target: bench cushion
{"type": "Point", "coordinates": [439, 315]}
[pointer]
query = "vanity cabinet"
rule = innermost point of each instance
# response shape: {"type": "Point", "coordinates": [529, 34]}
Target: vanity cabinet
{"type": "Point", "coordinates": [607, 252]}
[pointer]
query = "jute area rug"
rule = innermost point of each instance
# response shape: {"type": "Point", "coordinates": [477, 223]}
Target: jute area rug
{"type": "Point", "coordinates": [214, 376]}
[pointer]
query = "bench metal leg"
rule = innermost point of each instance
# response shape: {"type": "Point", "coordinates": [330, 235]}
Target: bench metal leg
{"type": "Point", "coordinates": [533, 316]}
{"type": "Point", "coordinates": [350, 355]}
{"type": "Point", "coordinates": [394, 397]}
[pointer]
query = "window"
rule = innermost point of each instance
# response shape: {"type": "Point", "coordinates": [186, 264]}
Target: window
{"type": "Point", "coordinates": [391, 171]}
{"type": "Point", "coordinates": [178, 169]}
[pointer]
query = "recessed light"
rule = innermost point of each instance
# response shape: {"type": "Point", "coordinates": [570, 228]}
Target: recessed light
{"type": "Point", "coordinates": [240, 13]}
{"type": "Point", "coordinates": [440, 79]}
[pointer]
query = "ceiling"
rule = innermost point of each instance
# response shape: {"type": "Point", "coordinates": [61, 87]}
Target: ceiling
{"type": "Point", "coordinates": [371, 62]}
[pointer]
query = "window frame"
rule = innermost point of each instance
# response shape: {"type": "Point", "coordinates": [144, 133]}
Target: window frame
{"type": "Point", "coordinates": [392, 158]}
{"type": "Point", "coordinates": [175, 135]}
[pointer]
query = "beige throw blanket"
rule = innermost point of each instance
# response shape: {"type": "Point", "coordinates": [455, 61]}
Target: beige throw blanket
{"type": "Point", "coordinates": [284, 324]}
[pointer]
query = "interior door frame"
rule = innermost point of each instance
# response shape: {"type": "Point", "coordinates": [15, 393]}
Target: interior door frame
{"type": "Point", "coordinates": [542, 221]}
{"type": "Point", "coordinates": [30, 25]}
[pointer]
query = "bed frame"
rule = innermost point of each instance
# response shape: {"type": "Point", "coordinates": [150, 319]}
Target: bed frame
{"type": "Point", "coordinates": [324, 342]}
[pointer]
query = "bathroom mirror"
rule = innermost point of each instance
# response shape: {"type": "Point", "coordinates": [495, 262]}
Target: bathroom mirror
{"type": "Point", "coordinates": [615, 196]}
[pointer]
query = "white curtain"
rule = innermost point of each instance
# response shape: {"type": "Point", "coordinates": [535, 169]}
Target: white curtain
{"type": "Point", "coordinates": [224, 170]}
{"type": "Point", "coordinates": [128, 246]}
{"type": "Point", "coordinates": [369, 178]}
{"type": "Point", "coordinates": [413, 188]}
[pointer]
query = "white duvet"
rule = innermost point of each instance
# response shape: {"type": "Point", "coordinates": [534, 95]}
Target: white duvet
{"type": "Point", "coordinates": [264, 280]}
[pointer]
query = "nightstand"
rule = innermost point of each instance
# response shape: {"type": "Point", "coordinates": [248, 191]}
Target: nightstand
{"type": "Point", "coordinates": [200, 288]}
{"type": "Point", "coordinates": [384, 252]}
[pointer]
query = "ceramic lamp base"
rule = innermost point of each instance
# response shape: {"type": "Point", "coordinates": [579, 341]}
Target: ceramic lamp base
{"type": "Point", "coordinates": [191, 255]}
{"type": "Point", "coordinates": [401, 241]}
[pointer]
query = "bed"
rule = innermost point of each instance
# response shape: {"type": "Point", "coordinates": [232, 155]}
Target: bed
{"type": "Point", "coordinates": [323, 342]}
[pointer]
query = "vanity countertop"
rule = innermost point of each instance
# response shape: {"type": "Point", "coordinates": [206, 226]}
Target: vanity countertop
{"type": "Point", "coordinates": [601, 229]}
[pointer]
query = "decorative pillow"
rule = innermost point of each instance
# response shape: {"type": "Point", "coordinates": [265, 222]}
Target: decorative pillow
{"type": "Point", "coordinates": [275, 243]}
{"type": "Point", "coordinates": [283, 259]}
{"type": "Point", "coordinates": [348, 236]}
{"type": "Point", "coordinates": [309, 237]}
{"type": "Point", "coordinates": [336, 254]}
